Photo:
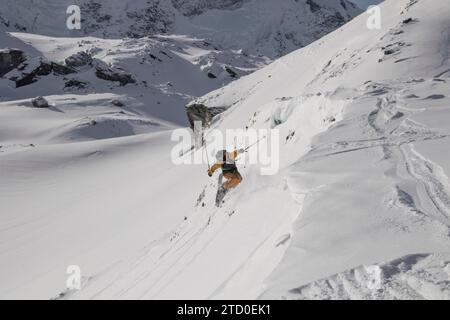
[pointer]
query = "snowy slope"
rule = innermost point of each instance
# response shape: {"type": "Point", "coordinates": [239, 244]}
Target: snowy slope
{"type": "Point", "coordinates": [168, 71]}
{"type": "Point", "coordinates": [362, 189]}
{"type": "Point", "coordinates": [160, 66]}
{"type": "Point", "coordinates": [375, 182]}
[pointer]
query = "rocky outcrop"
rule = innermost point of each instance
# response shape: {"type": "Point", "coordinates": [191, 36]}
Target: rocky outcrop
{"type": "Point", "coordinates": [9, 60]}
{"type": "Point", "coordinates": [117, 103]}
{"type": "Point", "coordinates": [60, 70]}
{"type": "Point", "coordinates": [231, 72]}
{"type": "Point", "coordinates": [102, 71]}
{"type": "Point", "coordinates": [200, 112]}
{"type": "Point", "coordinates": [30, 70]}
{"type": "Point", "coordinates": [142, 18]}
{"type": "Point", "coordinates": [314, 7]}
{"type": "Point", "coordinates": [40, 102]}
{"type": "Point", "coordinates": [78, 60]}
{"type": "Point", "coordinates": [75, 84]}
{"type": "Point", "coordinates": [196, 7]}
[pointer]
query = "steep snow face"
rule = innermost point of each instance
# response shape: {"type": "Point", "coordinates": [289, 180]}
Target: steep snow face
{"type": "Point", "coordinates": [373, 186]}
{"type": "Point", "coordinates": [332, 63]}
{"type": "Point", "coordinates": [271, 28]}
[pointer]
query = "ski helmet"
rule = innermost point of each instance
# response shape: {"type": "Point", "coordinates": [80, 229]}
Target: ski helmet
{"type": "Point", "coordinates": [221, 155]}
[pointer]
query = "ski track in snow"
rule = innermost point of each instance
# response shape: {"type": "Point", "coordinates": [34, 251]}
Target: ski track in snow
{"type": "Point", "coordinates": [418, 276]}
{"type": "Point", "coordinates": [165, 260]}
{"type": "Point", "coordinates": [433, 178]}
{"type": "Point", "coordinates": [394, 132]}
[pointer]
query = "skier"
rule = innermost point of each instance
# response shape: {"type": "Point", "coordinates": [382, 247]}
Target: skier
{"type": "Point", "coordinates": [227, 161]}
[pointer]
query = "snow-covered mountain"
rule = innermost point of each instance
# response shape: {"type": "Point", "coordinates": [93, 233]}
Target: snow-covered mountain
{"type": "Point", "coordinates": [267, 27]}
{"type": "Point", "coordinates": [161, 53]}
{"type": "Point", "coordinates": [360, 206]}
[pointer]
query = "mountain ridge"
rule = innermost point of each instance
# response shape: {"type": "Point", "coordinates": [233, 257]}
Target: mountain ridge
{"type": "Point", "coordinates": [212, 20]}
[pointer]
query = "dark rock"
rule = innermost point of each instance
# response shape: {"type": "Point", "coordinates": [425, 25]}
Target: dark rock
{"type": "Point", "coordinates": [113, 74]}
{"type": "Point", "coordinates": [313, 6]}
{"type": "Point", "coordinates": [389, 51]}
{"type": "Point", "coordinates": [435, 97]}
{"type": "Point", "coordinates": [211, 75]}
{"type": "Point", "coordinates": [9, 60]}
{"type": "Point", "coordinates": [79, 59]}
{"type": "Point", "coordinates": [155, 57]}
{"type": "Point", "coordinates": [153, 19]}
{"type": "Point", "coordinates": [165, 53]}
{"type": "Point", "coordinates": [117, 103]}
{"type": "Point", "coordinates": [29, 71]}
{"type": "Point", "coordinates": [200, 112]}
{"type": "Point", "coordinates": [333, 21]}
{"type": "Point", "coordinates": [231, 72]}
{"type": "Point", "coordinates": [59, 69]}
{"type": "Point", "coordinates": [40, 102]}
{"type": "Point", "coordinates": [196, 7]}
{"type": "Point", "coordinates": [74, 83]}
{"type": "Point", "coordinates": [397, 115]}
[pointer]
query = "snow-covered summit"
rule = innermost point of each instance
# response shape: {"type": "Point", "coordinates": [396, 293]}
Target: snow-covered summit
{"type": "Point", "coordinates": [267, 27]}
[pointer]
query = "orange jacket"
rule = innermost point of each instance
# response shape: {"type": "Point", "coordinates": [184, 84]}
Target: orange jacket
{"type": "Point", "coordinates": [231, 155]}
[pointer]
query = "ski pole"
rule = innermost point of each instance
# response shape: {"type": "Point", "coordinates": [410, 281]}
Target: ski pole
{"type": "Point", "coordinates": [246, 149]}
{"type": "Point", "coordinates": [206, 150]}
